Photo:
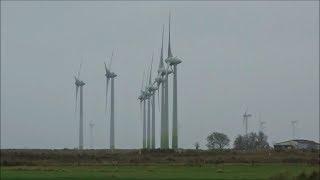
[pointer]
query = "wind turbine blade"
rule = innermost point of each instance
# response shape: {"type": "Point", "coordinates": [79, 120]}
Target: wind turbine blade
{"type": "Point", "coordinates": [150, 75]}
{"type": "Point", "coordinates": [80, 68]}
{"type": "Point", "coordinates": [110, 63]}
{"type": "Point", "coordinates": [107, 85]}
{"type": "Point", "coordinates": [161, 53]}
{"type": "Point", "coordinates": [169, 45]}
{"type": "Point", "coordinates": [105, 67]}
{"type": "Point", "coordinates": [140, 110]}
{"type": "Point", "coordinates": [77, 88]}
{"type": "Point", "coordinates": [144, 72]}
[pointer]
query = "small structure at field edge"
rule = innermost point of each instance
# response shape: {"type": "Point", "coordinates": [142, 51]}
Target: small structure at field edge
{"type": "Point", "coordinates": [297, 144]}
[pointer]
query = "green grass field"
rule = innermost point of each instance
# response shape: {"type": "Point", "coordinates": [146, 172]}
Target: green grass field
{"type": "Point", "coordinates": [150, 172]}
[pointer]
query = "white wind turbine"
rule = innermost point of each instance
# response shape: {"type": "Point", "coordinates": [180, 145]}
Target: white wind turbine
{"type": "Point", "coordinates": [245, 121]}
{"type": "Point", "coordinates": [147, 95]}
{"type": "Point", "coordinates": [142, 99]}
{"type": "Point", "coordinates": [152, 89]}
{"type": "Point", "coordinates": [173, 62]}
{"type": "Point", "coordinates": [110, 76]}
{"type": "Point", "coordinates": [80, 84]}
{"type": "Point", "coordinates": [161, 81]}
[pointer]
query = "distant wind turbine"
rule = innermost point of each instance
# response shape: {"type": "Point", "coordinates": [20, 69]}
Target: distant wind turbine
{"type": "Point", "coordinates": [80, 84]}
{"type": "Point", "coordinates": [245, 121]}
{"type": "Point", "coordinates": [110, 76]}
{"type": "Point", "coordinates": [152, 89]}
{"type": "Point", "coordinates": [161, 81]}
{"type": "Point", "coordinates": [142, 99]}
{"type": "Point", "coordinates": [293, 124]}
{"type": "Point", "coordinates": [173, 62]}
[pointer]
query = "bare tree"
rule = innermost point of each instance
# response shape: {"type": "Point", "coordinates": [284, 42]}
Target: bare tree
{"type": "Point", "coordinates": [217, 140]}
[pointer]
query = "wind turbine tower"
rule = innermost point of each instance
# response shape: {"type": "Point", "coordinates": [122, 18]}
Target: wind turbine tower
{"type": "Point", "coordinates": [148, 98]}
{"type": "Point", "coordinates": [161, 82]}
{"type": "Point", "coordinates": [80, 84]}
{"type": "Point", "coordinates": [91, 134]}
{"type": "Point", "coordinates": [293, 124]}
{"type": "Point", "coordinates": [173, 62]}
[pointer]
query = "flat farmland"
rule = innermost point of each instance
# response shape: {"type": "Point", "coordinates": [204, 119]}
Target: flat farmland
{"type": "Point", "coordinates": [156, 164]}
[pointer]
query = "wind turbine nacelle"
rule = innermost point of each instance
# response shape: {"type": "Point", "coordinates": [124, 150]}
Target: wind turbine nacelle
{"type": "Point", "coordinates": [111, 75]}
{"type": "Point", "coordinates": [79, 83]}
{"type": "Point", "coordinates": [169, 71]}
{"type": "Point", "coordinates": [173, 61]}
{"type": "Point", "coordinates": [162, 71]}
{"type": "Point", "coordinates": [82, 83]}
{"type": "Point", "coordinates": [158, 80]}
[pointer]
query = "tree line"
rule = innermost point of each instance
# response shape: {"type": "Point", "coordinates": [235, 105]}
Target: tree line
{"type": "Point", "coordinates": [250, 141]}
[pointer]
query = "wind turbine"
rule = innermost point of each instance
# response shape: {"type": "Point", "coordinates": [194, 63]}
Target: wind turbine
{"type": "Point", "coordinates": [80, 84]}
{"type": "Point", "coordinates": [152, 89]}
{"type": "Point", "coordinates": [293, 123]}
{"type": "Point", "coordinates": [142, 99]}
{"type": "Point", "coordinates": [261, 124]}
{"type": "Point", "coordinates": [110, 76]}
{"type": "Point", "coordinates": [91, 134]}
{"type": "Point", "coordinates": [245, 121]}
{"type": "Point", "coordinates": [173, 62]}
{"type": "Point", "coordinates": [164, 144]}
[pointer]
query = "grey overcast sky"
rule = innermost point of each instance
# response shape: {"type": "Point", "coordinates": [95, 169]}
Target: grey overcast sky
{"type": "Point", "coordinates": [260, 55]}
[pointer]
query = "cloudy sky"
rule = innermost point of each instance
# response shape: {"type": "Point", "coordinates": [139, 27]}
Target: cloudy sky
{"type": "Point", "coordinates": [263, 56]}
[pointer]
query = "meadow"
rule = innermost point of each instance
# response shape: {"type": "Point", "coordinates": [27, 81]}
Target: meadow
{"type": "Point", "coordinates": [153, 172]}
{"type": "Point", "coordinates": [156, 164]}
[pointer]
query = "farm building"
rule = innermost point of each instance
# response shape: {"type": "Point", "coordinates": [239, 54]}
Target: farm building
{"type": "Point", "coordinates": [297, 144]}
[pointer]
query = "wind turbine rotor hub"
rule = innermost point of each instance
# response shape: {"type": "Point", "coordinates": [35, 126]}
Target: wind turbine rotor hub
{"type": "Point", "coordinates": [173, 61]}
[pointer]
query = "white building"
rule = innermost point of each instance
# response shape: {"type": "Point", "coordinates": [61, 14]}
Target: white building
{"type": "Point", "coordinates": [297, 144]}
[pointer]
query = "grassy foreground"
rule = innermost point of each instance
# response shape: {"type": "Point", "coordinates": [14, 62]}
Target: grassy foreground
{"type": "Point", "coordinates": [150, 172]}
